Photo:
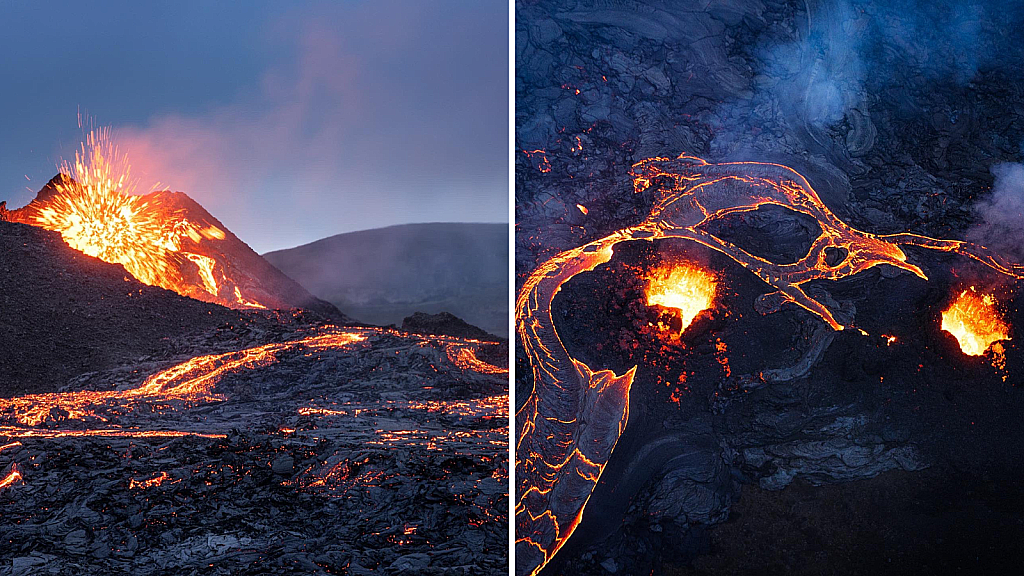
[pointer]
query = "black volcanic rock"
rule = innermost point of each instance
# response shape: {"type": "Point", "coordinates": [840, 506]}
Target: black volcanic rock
{"type": "Point", "coordinates": [420, 476]}
{"type": "Point", "coordinates": [383, 275]}
{"type": "Point", "coordinates": [445, 324]}
{"type": "Point", "coordinates": [896, 132]}
{"type": "Point", "coordinates": [65, 313]}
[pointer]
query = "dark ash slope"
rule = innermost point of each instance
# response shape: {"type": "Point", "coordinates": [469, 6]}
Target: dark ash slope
{"type": "Point", "coordinates": [63, 313]}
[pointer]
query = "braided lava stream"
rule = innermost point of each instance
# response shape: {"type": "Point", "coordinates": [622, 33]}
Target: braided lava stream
{"type": "Point", "coordinates": [573, 416]}
{"type": "Point", "coordinates": [193, 383]}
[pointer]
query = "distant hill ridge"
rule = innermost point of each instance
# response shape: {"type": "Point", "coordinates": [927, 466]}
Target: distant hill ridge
{"type": "Point", "coordinates": [386, 274]}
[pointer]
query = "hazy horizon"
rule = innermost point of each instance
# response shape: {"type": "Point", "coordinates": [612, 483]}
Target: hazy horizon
{"type": "Point", "coordinates": [383, 227]}
{"type": "Point", "coordinates": [288, 123]}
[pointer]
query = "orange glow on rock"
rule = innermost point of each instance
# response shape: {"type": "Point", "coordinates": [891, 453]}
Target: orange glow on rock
{"type": "Point", "coordinates": [189, 383]}
{"type": "Point", "coordinates": [94, 206]}
{"type": "Point", "coordinates": [681, 287]}
{"type": "Point", "coordinates": [157, 480]}
{"type": "Point", "coordinates": [465, 357]}
{"type": "Point", "coordinates": [975, 322]}
{"type": "Point", "coordinates": [246, 303]}
{"type": "Point", "coordinates": [573, 415]}
{"type": "Point", "coordinates": [12, 477]}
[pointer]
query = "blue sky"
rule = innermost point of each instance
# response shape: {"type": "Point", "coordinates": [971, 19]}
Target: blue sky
{"type": "Point", "coordinates": [289, 121]}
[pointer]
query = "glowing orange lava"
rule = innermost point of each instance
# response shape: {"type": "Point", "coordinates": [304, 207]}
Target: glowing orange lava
{"type": "Point", "coordinates": [96, 212]}
{"type": "Point", "coordinates": [190, 383]}
{"type": "Point", "coordinates": [245, 302]}
{"type": "Point", "coordinates": [975, 322]}
{"type": "Point", "coordinates": [98, 414]}
{"type": "Point", "coordinates": [573, 415]}
{"type": "Point", "coordinates": [12, 477]}
{"type": "Point", "coordinates": [465, 357]}
{"type": "Point", "coordinates": [95, 208]}
{"type": "Point", "coordinates": [685, 288]}
{"type": "Point", "coordinates": [149, 482]}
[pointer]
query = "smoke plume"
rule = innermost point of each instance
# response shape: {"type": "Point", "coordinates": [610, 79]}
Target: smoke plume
{"type": "Point", "coordinates": [1001, 213]}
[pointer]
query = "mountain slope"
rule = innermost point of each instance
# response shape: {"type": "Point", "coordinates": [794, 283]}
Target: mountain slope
{"type": "Point", "coordinates": [63, 313]}
{"type": "Point", "coordinates": [208, 262]}
{"type": "Point", "coordinates": [383, 275]}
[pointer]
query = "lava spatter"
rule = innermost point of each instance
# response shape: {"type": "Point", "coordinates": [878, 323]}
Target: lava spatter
{"type": "Point", "coordinates": [94, 205]}
{"type": "Point", "coordinates": [687, 289]}
{"type": "Point", "coordinates": [975, 322]}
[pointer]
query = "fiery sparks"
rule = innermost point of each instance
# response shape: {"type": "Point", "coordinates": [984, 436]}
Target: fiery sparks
{"type": "Point", "coordinates": [975, 322]}
{"type": "Point", "coordinates": [94, 206]}
{"type": "Point", "coordinates": [95, 210]}
{"type": "Point", "coordinates": [683, 287]}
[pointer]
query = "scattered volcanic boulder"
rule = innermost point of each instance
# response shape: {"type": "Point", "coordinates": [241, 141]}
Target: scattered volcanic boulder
{"type": "Point", "coordinates": [65, 313]}
{"type": "Point", "coordinates": [383, 275]}
{"type": "Point", "coordinates": [445, 324]}
{"type": "Point", "coordinates": [207, 263]}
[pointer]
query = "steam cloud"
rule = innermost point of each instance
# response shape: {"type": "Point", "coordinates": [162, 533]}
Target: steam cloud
{"type": "Point", "coordinates": [391, 121]}
{"type": "Point", "coordinates": [843, 50]}
{"type": "Point", "coordinates": [1002, 213]}
{"type": "Point", "coordinates": [849, 43]}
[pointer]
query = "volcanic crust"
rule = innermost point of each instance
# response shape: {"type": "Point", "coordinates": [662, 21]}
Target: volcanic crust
{"type": "Point", "coordinates": [142, 432]}
{"type": "Point", "coordinates": [908, 147]}
{"type": "Point", "coordinates": [444, 323]}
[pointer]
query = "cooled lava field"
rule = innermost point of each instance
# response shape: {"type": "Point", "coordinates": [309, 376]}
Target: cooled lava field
{"type": "Point", "coordinates": [143, 432]}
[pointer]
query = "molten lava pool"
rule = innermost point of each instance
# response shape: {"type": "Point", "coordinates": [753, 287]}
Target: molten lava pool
{"type": "Point", "coordinates": [975, 321]}
{"type": "Point", "coordinates": [683, 287]}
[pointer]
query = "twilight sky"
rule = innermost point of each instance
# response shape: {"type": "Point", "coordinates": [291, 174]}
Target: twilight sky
{"type": "Point", "coordinates": [289, 121]}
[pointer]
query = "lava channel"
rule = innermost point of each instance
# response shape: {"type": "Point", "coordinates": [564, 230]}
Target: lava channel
{"type": "Point", "coordinates": [573, 415]}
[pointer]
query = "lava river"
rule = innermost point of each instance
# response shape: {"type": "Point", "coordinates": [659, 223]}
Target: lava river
{"type": "Point", "coordinates": [332, 413]}
{"type": "Point", "coordinates": [573, 416]}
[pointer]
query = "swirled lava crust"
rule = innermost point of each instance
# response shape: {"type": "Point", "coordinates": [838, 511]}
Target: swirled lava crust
{"type": "Point", "coordinates": [574, 414]}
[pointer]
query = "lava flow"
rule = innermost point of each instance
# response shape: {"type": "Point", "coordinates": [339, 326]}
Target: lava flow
{"type": "Point", "coordinates": [12, 477]}
{"type": "Point", "coordinates": [464, 356]}
{"type": "Point", "coordinates": [685, 288]}
{"type": "Point", "coordinates": [188, 384]}
{"type": "Point", "coordinates": [975, 322]}
{"type": "Point", "coordinates": [93, 205]}
{"type": "Point", "coordinates": [371, 418]}
{"type": "Point", "coordinates": [573, 416]}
